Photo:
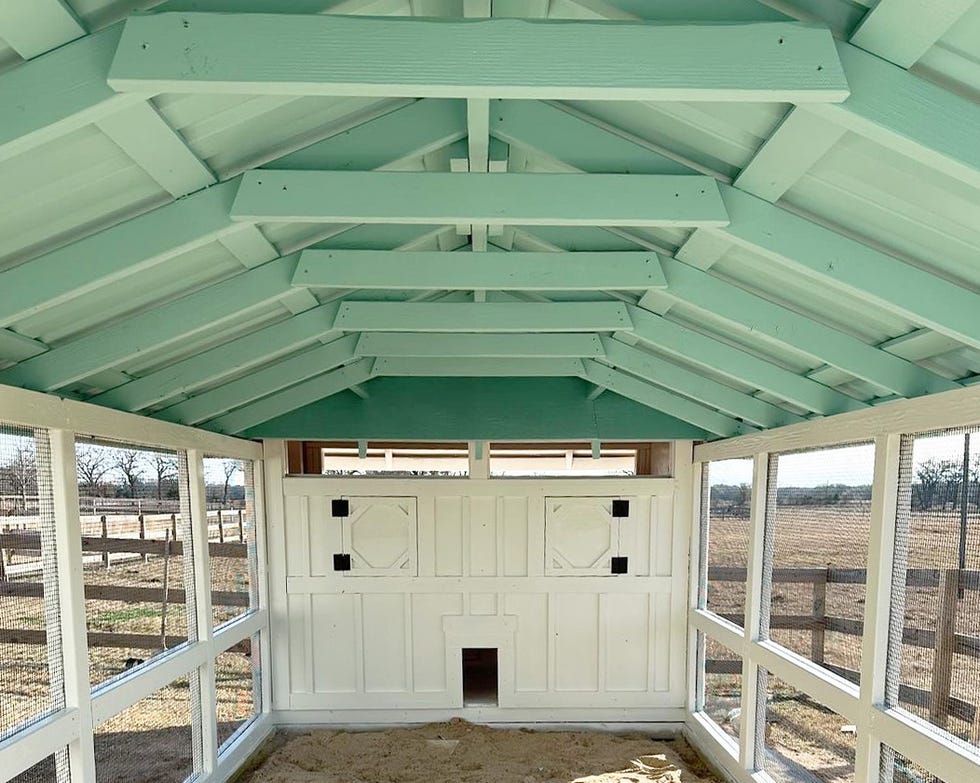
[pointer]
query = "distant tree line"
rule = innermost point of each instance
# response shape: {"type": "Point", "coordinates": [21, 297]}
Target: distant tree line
{"type": "Point", "coordinates": [939, 484]}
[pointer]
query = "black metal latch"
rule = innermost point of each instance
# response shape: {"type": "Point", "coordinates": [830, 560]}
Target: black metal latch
{"type": "Point", "coordinates": [619, 565]}
{"type": "Point", "coordinates": [340, 508]}
{"type": "Point", "coordinates": [341, 562]}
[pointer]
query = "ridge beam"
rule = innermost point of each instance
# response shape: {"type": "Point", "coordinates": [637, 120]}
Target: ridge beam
{"type": "Point", "coordinates": [410, 271]}
{"type": "Point", "coordinates": [411, 345]}
{"type": "Point", "coordinates": [483, 317]}
{"type": "Point", "coordinates": [336, 55]}
{"type": "Point", "coordinates": [463, 198]}
{"type": "Point", "coordinates": [478, 368]}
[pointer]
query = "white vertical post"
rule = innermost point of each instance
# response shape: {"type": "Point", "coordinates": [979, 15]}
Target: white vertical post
{"type": "Point", "coordinates": [748, 750]}
{"type": "Point", "coordinates": [275, 529]}
{"type": "Point", "coordinates": [261, 553]}
{"type": "Point", "coordinates": [877, 606]}
{"type": "Point", "coordinates": [71, 589]}
{"type": "Point", "coordinates": [479, 453]}
{"type": "Point", "coordinates": [695, 691]}
{"type": "Point", "coordinates": [205, 624]}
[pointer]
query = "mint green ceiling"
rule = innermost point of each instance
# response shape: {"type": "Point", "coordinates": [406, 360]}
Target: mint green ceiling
{"type": "Point", "coordinates": [188, 238]}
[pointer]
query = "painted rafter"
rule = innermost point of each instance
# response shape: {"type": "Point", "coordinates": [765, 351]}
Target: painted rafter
{"type": "Point", "coordinates": [788, 238]}
{"type": "Point", "coordinates": [411, 345]}
{"type": "Point", "coordinates": [477, 368]}
{"type": "Point", "coordinates": [502, 271]}
{"type": "Point", "coordinates": [37, 27]}
{"type": "Point", "coordinates": [344, 55]}
{"type": "Point", "coordinates": [446, 198]}
{"type": "Point", "coordinates": [270, 378]}
{"type": "Point", "coordinates": [294, 397]}
{"type": "Point", "coordinates": [901, 31]}
{"type": "Point", "coordinates": [483, 317]}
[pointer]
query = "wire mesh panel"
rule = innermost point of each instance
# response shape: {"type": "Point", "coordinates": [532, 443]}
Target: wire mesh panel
{"type": "Point", "coordinates": [726, 491]}
{"type": "Point", "coordinates": [136, 552]}
{"type": "Point", "coordinates": [156, 740]}
{"type": "Point", "coordinates": [934, 655]}
{"type": "Point", "coordinates": [803, 741]}
{"type": "Point", "coordinates": [53, 769]}
{"type": "Point", "coordinates": [230, 493]}
{"type": "Point", "coordinates": [721, 680]}
{"type": "Point", "coordinates": [818, 527]}
{"type": "Point", "coordinates": [31, 681]}
{"type": "Point", "coordinates": [895, 768]}
{"type": "Point", "coordinates": [238, 688]}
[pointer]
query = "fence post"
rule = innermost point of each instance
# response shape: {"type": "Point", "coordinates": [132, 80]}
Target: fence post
{"type": "Point", "coordinates": [818, 642]}
{"type": "Point", "coordinates": [942, 665]}
{"type": "Point", "coordinates": [3, 557]}
{"type": "Point", "coordinates": [105, 549]}
{"type": "Point", "coordinates": [241, 527]}
{"type": "Point", "coordinates": [142, 522]}
{"type": "Point", "coordinates": [173, 526]}
{"type": "Point", "coordinates": [221, 528]}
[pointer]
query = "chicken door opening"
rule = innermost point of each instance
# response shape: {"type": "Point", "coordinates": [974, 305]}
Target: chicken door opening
{"type": "Point", "coordinates": [479, 677]}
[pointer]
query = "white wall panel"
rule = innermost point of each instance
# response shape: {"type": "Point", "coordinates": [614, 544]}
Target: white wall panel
{"type": "Point", "coordinates": [385, 637]}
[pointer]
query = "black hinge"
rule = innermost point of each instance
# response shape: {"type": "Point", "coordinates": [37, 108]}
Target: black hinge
{"type": "Point", "coordinates": [341, 562]}
{"type": "Point", "coordinates": [619, 565]}
{"type": "Point", "coordinates": [620, 508]}
{"type": "Point", "coordinates": [340, 508]}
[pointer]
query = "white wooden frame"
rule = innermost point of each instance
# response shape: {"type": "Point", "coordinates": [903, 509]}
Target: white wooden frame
{"type": "Point", "coordinates": [86, 708]}
{"type": "Point", "coordinates": [865, 706]}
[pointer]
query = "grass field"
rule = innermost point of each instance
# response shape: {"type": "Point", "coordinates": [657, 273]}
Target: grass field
{"type": "Point", "coordinates": [837, 537]}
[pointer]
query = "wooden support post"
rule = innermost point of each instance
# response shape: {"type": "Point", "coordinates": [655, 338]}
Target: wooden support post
{"type": "Point", "coordinates": [4, 554]}
{"type": "Point", "coordinates": [221, 528]}
{"type": "Point", "coordinates": [819, 618]}
{"type": "Point", "coordinates": [142, 521]}
{"type": "Point", "coordinates": [241, 526]}
{"type": "Point", "coordinates": [173, 526]}
{"type": "Point", "coordinates": [166, 585]}
{"type": "Point", "coordinates": [105, 534]}
{"type": "Point", "coordinates": [942, 665]}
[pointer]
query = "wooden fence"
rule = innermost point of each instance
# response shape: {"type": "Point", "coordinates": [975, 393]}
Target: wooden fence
{"type": "Point", "coordinates": [951, 586]}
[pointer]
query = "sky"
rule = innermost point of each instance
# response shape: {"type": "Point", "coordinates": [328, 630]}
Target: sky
{"type": "Point", "coordinates": [851, 465]}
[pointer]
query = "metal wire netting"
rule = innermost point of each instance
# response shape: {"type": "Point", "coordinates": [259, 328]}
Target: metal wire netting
{"type": "Point", "coordinates": [721, 675]}
{"type": "Point", "coordinates": [726, 491]}
{"type": "Point", "coordinates": [138, 568]}
{"type": "Point", "coordinates": [803, 740]}
{"type": "Point", "coordinates": [53, 769]}
{"type": "Point", "coordinates": [934, 653]}
{"type": "Point", "coordinates": [896, 768]}
{"type": "Point", "coordinates": [231, 532]}
{"type": "Point", "coordinates": [238, 687]}
{"type": "Point", "coordinates": [818, 529]}
{"type": "Point", "coordinates": [31, 676]}
{"type": "Point", "coordinates": [154, 741]}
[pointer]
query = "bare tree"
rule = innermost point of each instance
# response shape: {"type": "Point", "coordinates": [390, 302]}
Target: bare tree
{"type": "Point", "coordinates": [129, 463]}
{"type": "Point", "coordinates": [23, 472]}
{"type": "Point", "coordinates": [230, 467]}
{"type": "Point", "coordinates": [164, 469]}
{"type": "Point", "coordinates": [92, 464]}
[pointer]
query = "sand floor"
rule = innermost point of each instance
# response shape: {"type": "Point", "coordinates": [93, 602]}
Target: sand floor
{"type": "Point", "coordinates": [466, 753]}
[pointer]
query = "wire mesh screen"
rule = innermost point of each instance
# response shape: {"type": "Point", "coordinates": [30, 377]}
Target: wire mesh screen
{"type": "Point", "coordinates": [53, 769]}
{"type": "Point", "coordinates": [238, 688]}
{"type": "Point", "coordinates": [726, 490]}
{"type": "Point", "coordinates": [31, 680]}
{"type": "Point", "coordinates": [721, 676]}
{"type": "Point", "coordinates": [934, 656]}
{"type": "Point", "coordinates": [230, 492]}
{"type": "Point", "coordinates": [136, 556]}
{"type": "Point", "coordinates": [803, 740]}
{"type": "Point", "coordinates": [895, 768]}
{"type": "Point", "coordinates": [818, 531]}
{"type": "Point", "coordinates": [156, 740]}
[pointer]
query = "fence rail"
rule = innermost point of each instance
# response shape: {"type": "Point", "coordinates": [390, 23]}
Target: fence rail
{"type": "Point", "coordinates": [944, 640]}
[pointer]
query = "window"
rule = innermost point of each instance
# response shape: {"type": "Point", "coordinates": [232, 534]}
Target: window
{"type": "Point", "coordinates": [578, 459]}
{"type": "Point", "coordinates": [396, 459]}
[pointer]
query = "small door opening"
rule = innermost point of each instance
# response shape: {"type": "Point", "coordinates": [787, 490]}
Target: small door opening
{"type": "Point", "coordinates": [479, 676]}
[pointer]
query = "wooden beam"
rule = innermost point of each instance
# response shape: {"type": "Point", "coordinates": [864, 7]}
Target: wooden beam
{"type": "Point", "coordinates": [157, 148]}
{"type": "Point", "coordinates": [479, 346]}
{"type": "Point", "coordinates": [269, 378]}
{"type": "Point", "coordinates": [691, 384]}
{"type": "Point", "coordinates": [450, 198]}
{"type": "Point", "coordinates": [901, 31]}
{"type": "Point", "coordinates": [39, 26]}
{"type": "Point", "coordinates": [333, 55]}
{"type": "Point", "coordinates": [694, 347]}
{"type": "Point", "coordinates": [663, 400]}
{"type": "Point", "coordinates": [478, 368]}
{"type": "Point", "coordinates": [501, 271]}
{"type": "Point", "coordinates": [757, 316]}
{"type": "Point", "coordinates": [294, 397]}
{"type": "Point", "coordinates": [482, 317]}
{"type": "Point", "coordinates": [192, 314]}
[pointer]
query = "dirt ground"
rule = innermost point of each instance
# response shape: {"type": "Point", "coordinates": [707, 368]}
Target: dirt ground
{"type": "Point", "coordinates": [466, 753]}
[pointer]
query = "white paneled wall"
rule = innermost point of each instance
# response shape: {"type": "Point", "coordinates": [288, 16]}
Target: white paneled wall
{"type": "Point", "coordinates": [523, 566]}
